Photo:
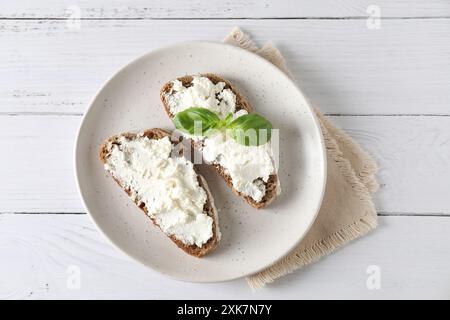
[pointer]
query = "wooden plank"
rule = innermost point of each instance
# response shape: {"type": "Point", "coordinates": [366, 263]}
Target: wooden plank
{"type": "Point", "coordinates": [37, 164]}
{"type": "Point", "coordinates": [413, 155]}
{"type": "Point", "coordinates": [413, 152]}
{"type": "Point", "coordinates": [43, 254]}
{"type": "Point", "coordinates": [158, 9]}
{"type": "Point", "coordinates": [342, 66]}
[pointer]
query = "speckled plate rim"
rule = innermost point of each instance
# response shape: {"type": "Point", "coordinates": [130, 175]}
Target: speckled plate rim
{"type": "Point", "coordinates": [240, 51]}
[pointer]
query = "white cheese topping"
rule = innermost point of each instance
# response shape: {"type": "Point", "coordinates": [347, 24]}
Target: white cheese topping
{"type": "Point", "coordinates": [168, 186]}
{"type": "Point", "coordinates": [248, 167]}
{"type": "Point", "coordinates": [202, 93]}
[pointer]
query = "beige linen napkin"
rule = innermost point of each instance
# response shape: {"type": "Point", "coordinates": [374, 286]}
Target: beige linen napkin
{"type": "Point", "coordinates": [347, 210]}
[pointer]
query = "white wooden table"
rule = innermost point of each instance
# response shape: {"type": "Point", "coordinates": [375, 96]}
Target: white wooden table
{"type": "Point", "coordinates": [389, 87]}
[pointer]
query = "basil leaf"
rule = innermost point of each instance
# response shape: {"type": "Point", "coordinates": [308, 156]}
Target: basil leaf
{"type": "Point", "coordinates": [228, 118]}
{"type": "Point", "coordinates": [196, 121]}
{"type": "Point", "coordinates": [251, 130]}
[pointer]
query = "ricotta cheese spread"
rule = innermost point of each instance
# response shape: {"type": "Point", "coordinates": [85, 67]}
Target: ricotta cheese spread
{"type": "Point", "coordinates": [202, 93]}
{"type": "Point", "coordinates": [167, 186]}
{"type": "Point", "coordinates": [248, 166]}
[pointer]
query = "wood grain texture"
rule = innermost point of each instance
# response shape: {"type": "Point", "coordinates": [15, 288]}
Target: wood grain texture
{"type": "Point", "coordinates": [38, 171]}
{"type": "Point", "coordinates": [342, 66]}
{"type": "Point", "coordinates": [41, 254]}
{"type": "Point", "coordinates": [159, 9]}
{"type": "Point", "coordinates": [413, 154]}
{"type": "Point", "coordinates": [50, 71]}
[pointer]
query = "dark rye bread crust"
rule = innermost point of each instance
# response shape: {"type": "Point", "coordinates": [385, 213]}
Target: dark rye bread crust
{"type": "Point", "coordinates": [241, 104]}
{"type": "Point", "coordinates": [208, 208]}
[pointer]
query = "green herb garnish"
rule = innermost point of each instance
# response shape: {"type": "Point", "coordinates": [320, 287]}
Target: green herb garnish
{"type": "Point", "coordinates": [249, 129]}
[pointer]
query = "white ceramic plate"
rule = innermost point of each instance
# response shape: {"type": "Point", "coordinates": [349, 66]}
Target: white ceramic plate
{"type": "Point", "coordinates": [251, 239]}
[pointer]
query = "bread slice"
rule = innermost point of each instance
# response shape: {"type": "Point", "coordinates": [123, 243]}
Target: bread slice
{"type": "Point", "coordinates": [272, 184]}
{"type": "Point", "coordinates": [208, 208]}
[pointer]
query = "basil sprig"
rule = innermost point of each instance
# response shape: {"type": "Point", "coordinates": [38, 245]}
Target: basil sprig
{"type": "Point", "coordinates": [249, 129]}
